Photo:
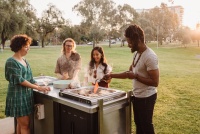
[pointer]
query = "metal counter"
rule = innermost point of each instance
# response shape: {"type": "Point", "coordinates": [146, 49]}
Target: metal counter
{"type": "Point", "coordinates": [112, 115]}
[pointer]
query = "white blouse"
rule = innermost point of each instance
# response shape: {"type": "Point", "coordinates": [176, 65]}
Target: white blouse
{"type": "Point", "coordinates": [99, 73]}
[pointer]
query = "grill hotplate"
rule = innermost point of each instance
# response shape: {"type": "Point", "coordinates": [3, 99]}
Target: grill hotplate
{"type": "Point", "coordinates": [85, 94]}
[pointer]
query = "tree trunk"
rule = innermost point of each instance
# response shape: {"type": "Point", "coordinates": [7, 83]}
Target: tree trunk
{"type": "Point", "coordinates": [43, 43]}
{"type": "Point", "coordinates": [122, 43]}
{"type": "Point", "coordinates": [3, 41]}
{"type": "Point", "coordinates": [109, 42]}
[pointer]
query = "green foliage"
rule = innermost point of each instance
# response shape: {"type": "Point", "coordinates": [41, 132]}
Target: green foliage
{"type": "Point", "coordinates": [50, 21]}
{"type": "Point", "coordinates": [13, 18]}
{"type": "Point", "coordinates": [177, 108]}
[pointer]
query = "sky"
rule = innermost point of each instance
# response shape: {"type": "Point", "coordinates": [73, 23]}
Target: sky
{"type": "Point", "coordinates": [191, 8]}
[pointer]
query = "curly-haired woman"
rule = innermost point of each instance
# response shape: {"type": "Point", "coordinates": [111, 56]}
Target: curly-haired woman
{"type": "Point", "coordinates": [19, 100]}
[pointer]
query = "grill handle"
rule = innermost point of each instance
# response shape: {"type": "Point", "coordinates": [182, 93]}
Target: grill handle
{"type": "Point", "coordinates": [100, 116]}
{"type": "Point", "coordinates": [128, 113]}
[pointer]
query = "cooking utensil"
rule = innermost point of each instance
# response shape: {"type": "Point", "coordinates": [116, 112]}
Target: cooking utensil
{"type": "Point", "coordinates": [96, 86]}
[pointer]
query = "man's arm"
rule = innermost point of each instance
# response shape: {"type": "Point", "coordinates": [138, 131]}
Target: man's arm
{"type": "Point", "coordinates": [153, 79]}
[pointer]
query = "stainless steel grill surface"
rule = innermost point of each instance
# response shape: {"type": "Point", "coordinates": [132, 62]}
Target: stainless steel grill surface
{"type": "Point", "coordinates": [87, 96]}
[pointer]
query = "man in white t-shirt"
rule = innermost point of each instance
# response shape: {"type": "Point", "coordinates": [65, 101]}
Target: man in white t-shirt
{"type": "Point", "coordinates": [144, 72]}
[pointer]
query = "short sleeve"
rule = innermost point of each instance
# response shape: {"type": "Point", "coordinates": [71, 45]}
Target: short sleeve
{"type": "Point", "coordinates": [109, 69]}
{"type": "Point", "coordinates": [13, 72]}
{"type": "Point", "coordinates": [57, 69]}
{"type": "Point", "coordinates": [78, 62]}
{"type": "Point", "coordinates": [152, 62]}
{"type": "Point", "coordinates": [32, 81]}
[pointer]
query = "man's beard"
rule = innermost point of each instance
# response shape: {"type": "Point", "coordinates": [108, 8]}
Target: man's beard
{"type": "Point", "coordinates": [134, 48]}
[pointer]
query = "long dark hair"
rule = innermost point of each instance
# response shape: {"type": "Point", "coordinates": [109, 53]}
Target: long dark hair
{"type": "Point", "coordinates": [102, 60]}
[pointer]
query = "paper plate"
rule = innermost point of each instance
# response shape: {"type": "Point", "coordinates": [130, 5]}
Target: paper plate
{"type": "Point", "coordinates": [61, 84]}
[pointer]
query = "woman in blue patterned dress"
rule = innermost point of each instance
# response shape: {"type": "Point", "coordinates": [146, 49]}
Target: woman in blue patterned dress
{"type": "Point", "coordinates": [19, 100]}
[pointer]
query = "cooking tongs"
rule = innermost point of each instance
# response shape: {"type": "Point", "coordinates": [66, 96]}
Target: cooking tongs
{"type": "Point", "coordinates": [96, 86]}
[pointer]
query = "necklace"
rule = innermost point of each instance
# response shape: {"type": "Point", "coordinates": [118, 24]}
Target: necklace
{"type": "Point", "coordinates": [135, 63]}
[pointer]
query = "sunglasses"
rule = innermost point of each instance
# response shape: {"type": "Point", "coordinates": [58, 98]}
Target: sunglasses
{"type": "Point", "coordinates": [95, 74]}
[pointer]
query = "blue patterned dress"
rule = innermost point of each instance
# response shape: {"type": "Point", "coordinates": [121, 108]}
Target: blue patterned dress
{"type": "Point", "coordinates": [19, 100]}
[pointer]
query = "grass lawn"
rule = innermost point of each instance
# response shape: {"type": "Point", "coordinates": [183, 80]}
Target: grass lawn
{"type": "Point", "coordinates": [177, 110]}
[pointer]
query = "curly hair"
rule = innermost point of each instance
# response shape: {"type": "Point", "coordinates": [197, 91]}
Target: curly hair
{"type": "Point", "coordinates": [135, 34]}
{"type": "Point", "coordinates": [18, 41]}
{"type": "Point", "coordinates": [102, 60]}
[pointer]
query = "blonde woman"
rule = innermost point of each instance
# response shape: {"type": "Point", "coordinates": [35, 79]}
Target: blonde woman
{"type": "Point", "coordinates": [69, 63]}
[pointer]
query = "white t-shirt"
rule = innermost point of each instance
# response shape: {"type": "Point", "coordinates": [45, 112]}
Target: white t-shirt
{"type": "Point", "coordinates": [148, 61]}
{"type": "Point", "coordinates": [99, 73]}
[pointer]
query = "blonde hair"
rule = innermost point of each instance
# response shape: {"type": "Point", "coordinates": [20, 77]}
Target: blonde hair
{"type": "Point", "coordinates": [68, 40]}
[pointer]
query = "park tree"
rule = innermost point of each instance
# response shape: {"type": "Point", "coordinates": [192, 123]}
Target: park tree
{"type": "Point", "coordinates": [31, 21]}
{"type": "Point", "coordinates": [94, 13]}
{"type": "Point", "coordinates": [108, 20]}
{"type": "Point", "coordinates": [51, 20]}
{"type": "Point", "coordinates": [71, 32]}
{"type": "Point", "coordinates": [146, 25]}
{"type": "Point", "coordinates": [125, 16]}
{"type": "Point", "coordinates": [184, 35]}
{"type": "Point", "coordinates": [163, 21]}
{"type": "Point", "coordinates": [96, 34]}
{"type": "Point", "coordinates": [14, 18]}
{"type": "Point", "coordinates": [195, 36]}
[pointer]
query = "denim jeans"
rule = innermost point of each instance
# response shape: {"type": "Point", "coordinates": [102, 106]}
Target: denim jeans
{"type": "Point", "coordinates": [143, 114]}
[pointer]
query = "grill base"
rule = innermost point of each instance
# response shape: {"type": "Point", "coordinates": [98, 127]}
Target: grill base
{"type": "Point", "coordinates": [73, 121]}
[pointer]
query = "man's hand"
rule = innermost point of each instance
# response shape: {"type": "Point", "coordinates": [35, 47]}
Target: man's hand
{"type": "Point", "coordinates": [107, 77]}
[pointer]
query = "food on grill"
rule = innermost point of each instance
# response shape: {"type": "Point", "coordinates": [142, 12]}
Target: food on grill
{"type": "Point", "coordinates": [89, 92]}
{"type": "Point", "coordinates": [84, 92]}
{"type": "Point", "coordinates": [93, 95]}
{"type": "Point", "coordinates": [102, 92]}
{"type": "Point", "coordinates": [87, 96]}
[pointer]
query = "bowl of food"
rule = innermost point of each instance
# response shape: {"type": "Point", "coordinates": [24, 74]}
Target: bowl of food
{"type": "Point", "coordinates": [61, 84]}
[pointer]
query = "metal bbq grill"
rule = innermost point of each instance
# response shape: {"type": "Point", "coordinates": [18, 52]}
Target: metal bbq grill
{"type": "Point", "coordinates": [113, 115]}
{"type": "Point", "coordinates": [80, 111]}
{"type": "Point", "coordinates": [85, 94]}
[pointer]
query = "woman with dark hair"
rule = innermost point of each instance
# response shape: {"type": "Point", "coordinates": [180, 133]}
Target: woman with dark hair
{"type": "Point", "coordinates": [69, 63]}
{"type": "Point", "coordinates": [144, 72]}
{"type": "Point", "coordinates": [19, 100]}
{"type": "Point", "coordinates": [98, 67]}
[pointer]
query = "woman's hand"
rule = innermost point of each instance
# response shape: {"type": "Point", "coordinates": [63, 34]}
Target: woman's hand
{"type": "Point", "coordinates": [65, 76]}
{"type": "Point", "coordinates": [44, 89]}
